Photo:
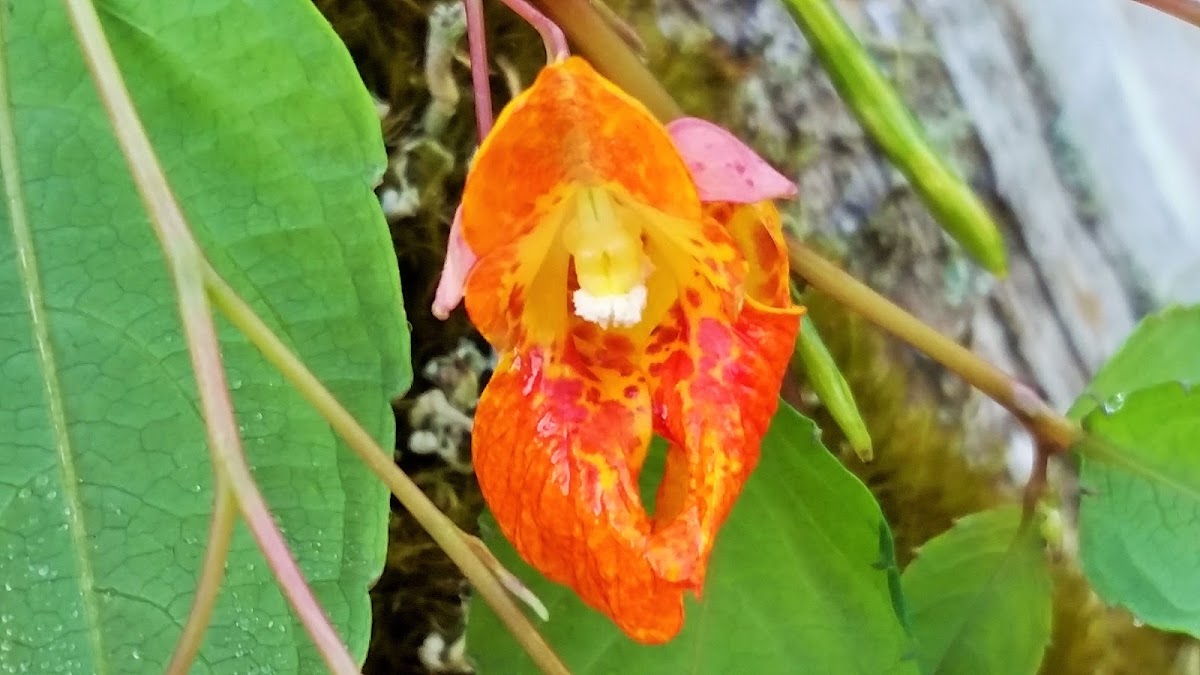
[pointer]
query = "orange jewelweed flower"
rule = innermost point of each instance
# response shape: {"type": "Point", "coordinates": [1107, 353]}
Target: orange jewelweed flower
{"type": "Point", "coordinates": [634, 280]}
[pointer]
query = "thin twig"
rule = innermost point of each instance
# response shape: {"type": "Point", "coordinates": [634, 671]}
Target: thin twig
{"type": "Point", "coordinates": [184, 263]}
{"type": "Point", "coordinates": [610, 54]}
{"type": "Point", "coordinates": [620, 26]}
{"type": "Point", "coordinates": [1035, 486]}
{"type": "Point", "coordinates": [1184, 10]}
{"type": "Point", "coordinates": [442, 529]}
{"type": "Point", "coordinates": [552, 35]}
{"type": "Point", "coordinates": [212, 573]}
{"type": "Point", "coordinates": [1043, 422]}
{"type": "Point", "coordinates": [477, 48]}
{"type": "Point", "coordinates": [511, 582]}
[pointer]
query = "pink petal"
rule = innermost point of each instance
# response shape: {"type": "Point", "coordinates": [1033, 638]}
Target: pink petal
{"type": "Point", "coordinates": [459, 261]}
{"type": "Point", "coordinates": [724, 168]}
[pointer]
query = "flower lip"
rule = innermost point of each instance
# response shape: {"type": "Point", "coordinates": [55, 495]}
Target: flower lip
{"type": "Point", "coordinates": [579, 195]}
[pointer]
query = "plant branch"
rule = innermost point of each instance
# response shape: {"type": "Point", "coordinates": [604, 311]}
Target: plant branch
{"type": "Point", "coordinates": [447, 535]}
{"type": "Point", "coordinates": [610, 54]}
{"type": "Point", "coordinates": [552, 35]}
{"type": "Point", "coordinates": [1043, 422]}
{"type": "Point", "coordinates": [184, 263]}
{"type": "Point", "coordinates": [477, 48]}
{"type": "Point", "coordinates": [212, 573]}
{"type": "Point", "coordinates": [1184, 10]}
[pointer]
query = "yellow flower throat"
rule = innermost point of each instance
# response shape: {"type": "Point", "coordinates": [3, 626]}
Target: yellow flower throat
{"type": "Point", "coordinates": [610, 263]}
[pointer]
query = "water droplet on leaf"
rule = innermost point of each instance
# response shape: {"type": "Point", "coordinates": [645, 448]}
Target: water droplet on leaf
{"type": "Point", "coordinates": [1114, 403]}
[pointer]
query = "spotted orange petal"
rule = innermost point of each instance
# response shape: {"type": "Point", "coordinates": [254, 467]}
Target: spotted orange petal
{"type": "Point", "coordinates": [560, 433]}
{"type": "Point", "coordinates": [562, 429]}
{"type": "Point", "coordinates": [758, 234]}
{"type": "Point", "coordinates": [571, 127]}
{"type": "Point", "coordinates": [716, 387]}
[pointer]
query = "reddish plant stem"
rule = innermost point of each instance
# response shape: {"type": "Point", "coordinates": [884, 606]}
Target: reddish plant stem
{"type": "Point", "coordinates": [477, 48]}
{"type": "Point", "coordinates": [552, 35]}
{"type": "Point", "coordinates": [453, 541]}
{"type": "Point", "coordinates": [1184, 10]}
{"type": "Point", "coordinates": [184, 264]}
{"type": "Point", "coordinates": [1035, 487]}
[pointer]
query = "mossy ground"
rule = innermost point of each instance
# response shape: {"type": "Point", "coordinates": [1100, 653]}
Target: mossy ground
{"type": "Point", "coordinates": [920, 475]}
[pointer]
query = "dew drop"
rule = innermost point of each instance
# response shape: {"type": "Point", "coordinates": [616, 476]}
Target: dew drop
{"type": "Point", "coordinates": [1114, 403]}
{"type": "Point", "coordinates": [195, 488]}
{"type": "Point", "coordinates": [43, 570]}
{"type": "Point", "coordinates": [1138, 623]}
{"type": "Point", "coordinates": [23, 493]}
{"type": "Point", "coordinates": [8, 586]}
{"type": "Point", "coordinates": [137, 655]}
{"type": "Point", "coordinates": [41, 481]}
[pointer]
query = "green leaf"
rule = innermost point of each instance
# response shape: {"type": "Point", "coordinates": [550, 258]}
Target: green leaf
{"type": "Point", "coordinates": [979, 597]}
{"type": "Point", "coordinates": [803, 572]}
{"type": "Point", "coordinates": [272, 146]}
{"type": "Point", "coordinates": [1161, 349]}
{"type": "Point", "coordinates": [1139, 515]}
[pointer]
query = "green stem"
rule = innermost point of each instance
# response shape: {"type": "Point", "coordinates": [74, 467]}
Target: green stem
{"type": "Point", "coordinates": [1054, 430]}
{"type": "Point", "coordinates": [184, 262]}
{"type": "Point", "coordinates": [830, 385]}
{"type": "Point", "coordinates": [212, 573]}
{"type": "Point", "coordinates": [447, 535]}
{"type": "Point", "coordinates": [891, 126]}
{"type": "Point", "coordinates": [610, 54]}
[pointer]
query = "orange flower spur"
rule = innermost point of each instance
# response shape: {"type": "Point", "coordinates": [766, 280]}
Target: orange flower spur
{"type": "Point", "coordinates": [633, 278]}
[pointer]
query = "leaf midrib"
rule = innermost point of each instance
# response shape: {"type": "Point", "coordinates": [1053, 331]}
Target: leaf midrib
{"type": "Point", "coordinates": [987, 588]}
{"type": "Point", "coordinates": [28, 272]}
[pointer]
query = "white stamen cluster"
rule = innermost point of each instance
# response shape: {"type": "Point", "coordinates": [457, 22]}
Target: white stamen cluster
{"type": "Point", "coordinates": [608, 310]}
